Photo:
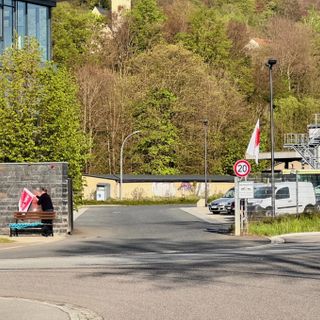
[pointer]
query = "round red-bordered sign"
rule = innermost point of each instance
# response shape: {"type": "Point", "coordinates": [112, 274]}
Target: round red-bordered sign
{"type": "Point", "coordinates": [242, 168]}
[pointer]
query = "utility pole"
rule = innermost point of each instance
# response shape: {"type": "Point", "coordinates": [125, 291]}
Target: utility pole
{"type": "Point", "coordinates": [270, 64]}
{"type": "Point", "coordinates": [205, 122]}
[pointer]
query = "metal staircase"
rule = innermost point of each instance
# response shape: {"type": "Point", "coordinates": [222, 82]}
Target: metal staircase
{"type": "Point", "coordinates": [307, 145]}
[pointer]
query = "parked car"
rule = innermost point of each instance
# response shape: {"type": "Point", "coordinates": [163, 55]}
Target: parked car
{"type": "Point", "coordinates": [223, 205]}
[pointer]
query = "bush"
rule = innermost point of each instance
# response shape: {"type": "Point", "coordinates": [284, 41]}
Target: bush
{"type": "Point", "coordinates": [154, 201]}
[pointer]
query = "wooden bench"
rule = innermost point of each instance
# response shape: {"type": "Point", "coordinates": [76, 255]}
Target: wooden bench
{"type": "Point", "coordinates": [32, 222]}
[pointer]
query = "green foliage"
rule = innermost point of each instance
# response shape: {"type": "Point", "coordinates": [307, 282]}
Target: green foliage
{"type": "Point", "coordinates": [157, 147]}
{"type": "Point", "coordinates": [72, 32]}
{"type": "Point", "coordinates": [238, 9]}
{"type": "Point", "coordinates": [207, 37]}
{"type": "Point", "coordinates": [298, 114]}
{"type": "Point", "coordinates": [39, 112]}
{"type": "Point", "coordinates": [313, 20]}
{"type": "Point", "coordinates": [210, 74]}
{"type": "Point", "coordinates": [265, 10]}
{"type": "Point", "coordinates": [151, 201]}
{"type": "Point", "coordinates": [198, 96]}
{"type": "Point", "coordinates": [146, 20]}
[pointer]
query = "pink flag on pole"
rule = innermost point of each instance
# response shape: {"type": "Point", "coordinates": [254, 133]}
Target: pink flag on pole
{"type": "Point", "coordinates": [25, 200]}
{"type": "Point", "coordinates": [254, 144]}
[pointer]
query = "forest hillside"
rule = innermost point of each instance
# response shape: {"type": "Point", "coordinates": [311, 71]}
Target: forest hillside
{"type": "Point", "coordinates": [168, 65]}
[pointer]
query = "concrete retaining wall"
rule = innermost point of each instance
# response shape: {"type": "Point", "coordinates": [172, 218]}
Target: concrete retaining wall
{"type": "Point", "coordinates": [16, 176]}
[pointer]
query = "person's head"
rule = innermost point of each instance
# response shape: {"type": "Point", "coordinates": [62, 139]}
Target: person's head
{"type": "Point", "coordinates": [44, 190]}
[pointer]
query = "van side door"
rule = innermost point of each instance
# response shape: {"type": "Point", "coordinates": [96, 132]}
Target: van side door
{"type": "Point", "coordinates": [284, 201]}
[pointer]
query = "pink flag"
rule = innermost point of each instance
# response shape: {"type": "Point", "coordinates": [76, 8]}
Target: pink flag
{"type": "Point", "coordinates": [25, 200]}
{"type": "Point", "coordinates": [254, 144]}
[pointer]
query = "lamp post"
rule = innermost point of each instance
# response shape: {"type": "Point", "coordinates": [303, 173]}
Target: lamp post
{"type": "Point", "coordinates": [205, 122]}
{"type": "Point", "coordinates": [121, 160]}
{"type": "Point", "coordinates": [270, 64]}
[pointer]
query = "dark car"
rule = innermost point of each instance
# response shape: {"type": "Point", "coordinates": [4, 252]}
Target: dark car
{"type": "Point", "coordinates": [223, 205]}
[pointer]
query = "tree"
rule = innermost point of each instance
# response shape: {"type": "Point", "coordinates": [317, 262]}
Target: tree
{"type": "Point", "coordinates": [104, 117]}
{"type": "Point", "coordinates": [290, 43]}
{"type": "Point", "coordinates": [297, 114]}
{"type": "Point", "coordinates": [138, 31]}
{"type": "Point", "coordinates": [207, 37]}
{"type": "Point", "coordinates": [37, 103]}
{"type": "Point", "coordinates": [198, 96]}
{"type": "Point", "coordinates": [145, 23]}
{"type": "Point", "coordinates": [158, 144]}
{"type": "Point", "coordinates": [177, 16]}
{"type": "Point", "coordinates": [73, 31]}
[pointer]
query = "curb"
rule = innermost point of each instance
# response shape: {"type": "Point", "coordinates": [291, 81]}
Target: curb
{"type": "Point", "coordinates": [73, 312]}
{"type": "Point", "coordinates": [77, 313]}
{"type": "Point", "coordinates": [282, 238]}
{"type": "Point", "coordinates": [276, 240]}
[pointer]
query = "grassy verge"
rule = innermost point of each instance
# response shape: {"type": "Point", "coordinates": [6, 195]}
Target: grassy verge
{"type": "Point", "coordinates": [144, 201]}
{"type": "Point", "coordinates": [5, 240]}
{"type": "Point", "coordinates": [286, 224]}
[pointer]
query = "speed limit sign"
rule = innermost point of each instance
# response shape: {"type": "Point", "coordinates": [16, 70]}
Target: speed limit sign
{"type": "Point", "coordinates": [242, 168]}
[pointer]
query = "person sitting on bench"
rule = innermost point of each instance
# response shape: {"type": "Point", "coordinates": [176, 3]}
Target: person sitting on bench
{"type": "Point", "coordinates": [46, 204]}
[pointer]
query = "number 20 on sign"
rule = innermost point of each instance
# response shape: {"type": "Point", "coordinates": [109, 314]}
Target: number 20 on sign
{"type": "Point", "coordinates": [242, 168]}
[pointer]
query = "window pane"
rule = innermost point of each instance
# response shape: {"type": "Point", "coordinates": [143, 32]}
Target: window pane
{"type": "Point", "coordinates": [1, 19]}
{"type": "Point", "coordinates": [7, 26]}
{"type": "Point", "coordinates": [38, 26]}
{"type": "Point", "coordinates": [43, 30]}
{"type": "Point", "coordinates": [8, 2]}
{"type": "Point", "coordinates": [21, 22]}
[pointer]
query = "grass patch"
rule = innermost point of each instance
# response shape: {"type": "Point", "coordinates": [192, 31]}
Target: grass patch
{"type": "Point", "coordinates": [286, 224]}
{"type": "Point", "coordinates": [5, 240]}
{"type": "Point", "coordinates": [141, 202]}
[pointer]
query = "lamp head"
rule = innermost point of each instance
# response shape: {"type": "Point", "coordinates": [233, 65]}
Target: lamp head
{"type": "Point", "coordinates": [271, 63]}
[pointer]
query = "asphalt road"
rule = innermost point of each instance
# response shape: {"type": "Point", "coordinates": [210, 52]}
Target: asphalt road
{"type": "Point", "coordinates": [162, 263]}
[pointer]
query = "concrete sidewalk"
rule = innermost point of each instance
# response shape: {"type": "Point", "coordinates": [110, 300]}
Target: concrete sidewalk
{"type": "Point", "coordinates": [36, 239]}
{"type": "Point", "coordinates": [223, 222]}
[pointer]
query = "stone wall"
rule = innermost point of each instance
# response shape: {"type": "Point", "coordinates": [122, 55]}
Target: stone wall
{"type": "Point", "coordinates": [16, 176]}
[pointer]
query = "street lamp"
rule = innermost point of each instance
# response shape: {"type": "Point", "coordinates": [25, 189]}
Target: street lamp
{"type": "Point", "coordinates": [205, 122]}
{"type": "Point", "coordinates": [121, 159]}
{"type": "Point", "coordinates": [270, 64]}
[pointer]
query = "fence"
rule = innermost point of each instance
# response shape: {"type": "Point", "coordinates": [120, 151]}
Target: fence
{"type": "Point", "coordinates": [296, 192]}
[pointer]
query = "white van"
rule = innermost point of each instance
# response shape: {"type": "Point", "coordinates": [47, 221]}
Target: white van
{"type": "Point", "coordinates": [286, 199]}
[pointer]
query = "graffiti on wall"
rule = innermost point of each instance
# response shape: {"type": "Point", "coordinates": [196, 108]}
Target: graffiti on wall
{"type": "Point", "coordinates": [163, 189]}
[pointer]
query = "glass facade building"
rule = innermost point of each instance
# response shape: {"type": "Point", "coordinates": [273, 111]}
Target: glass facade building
{"type": "Point", "coordinates": [19, 19]}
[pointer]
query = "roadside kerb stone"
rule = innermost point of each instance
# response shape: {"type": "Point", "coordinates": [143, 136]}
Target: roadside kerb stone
{"type": "Point", "coordinates": [296, 237]}
{"type": "Point", "coordinates": [21, 308]}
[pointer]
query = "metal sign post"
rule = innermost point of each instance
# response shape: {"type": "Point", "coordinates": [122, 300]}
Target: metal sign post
{"type": "Point", "coordinates": [246, 191]}
{"type": "Point", "coordinates": [237, 220]}
{"type": "Point", "coordinates": [241, 168]}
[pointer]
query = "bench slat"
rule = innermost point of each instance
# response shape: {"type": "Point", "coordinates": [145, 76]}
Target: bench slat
{"type": "Point", "coordinates": [34, 215]}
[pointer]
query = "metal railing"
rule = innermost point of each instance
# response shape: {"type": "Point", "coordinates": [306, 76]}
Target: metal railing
{"type": "Point", "coordinates": [295, 139]}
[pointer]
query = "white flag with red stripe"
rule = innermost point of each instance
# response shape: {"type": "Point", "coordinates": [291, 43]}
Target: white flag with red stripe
{"type": "Point", "coordinates": [25, 200]}
{"type": "Point", "coordinates": [254, 144]}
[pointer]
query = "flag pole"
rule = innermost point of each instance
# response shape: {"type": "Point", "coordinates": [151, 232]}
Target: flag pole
{"type": "Point", "coordinates": [252, 150]}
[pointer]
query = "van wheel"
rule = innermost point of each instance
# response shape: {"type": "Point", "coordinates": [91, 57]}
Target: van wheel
{"type": "Point", "coordinates": [269, 212]}
{"type": "Point", "coordinates": [309, 209]}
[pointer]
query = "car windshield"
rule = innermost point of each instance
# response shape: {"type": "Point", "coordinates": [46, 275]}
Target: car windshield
{"type": "Point", "coordinates": [262, 192]}
{"type": "Point", "coordinates": [229, 194]}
